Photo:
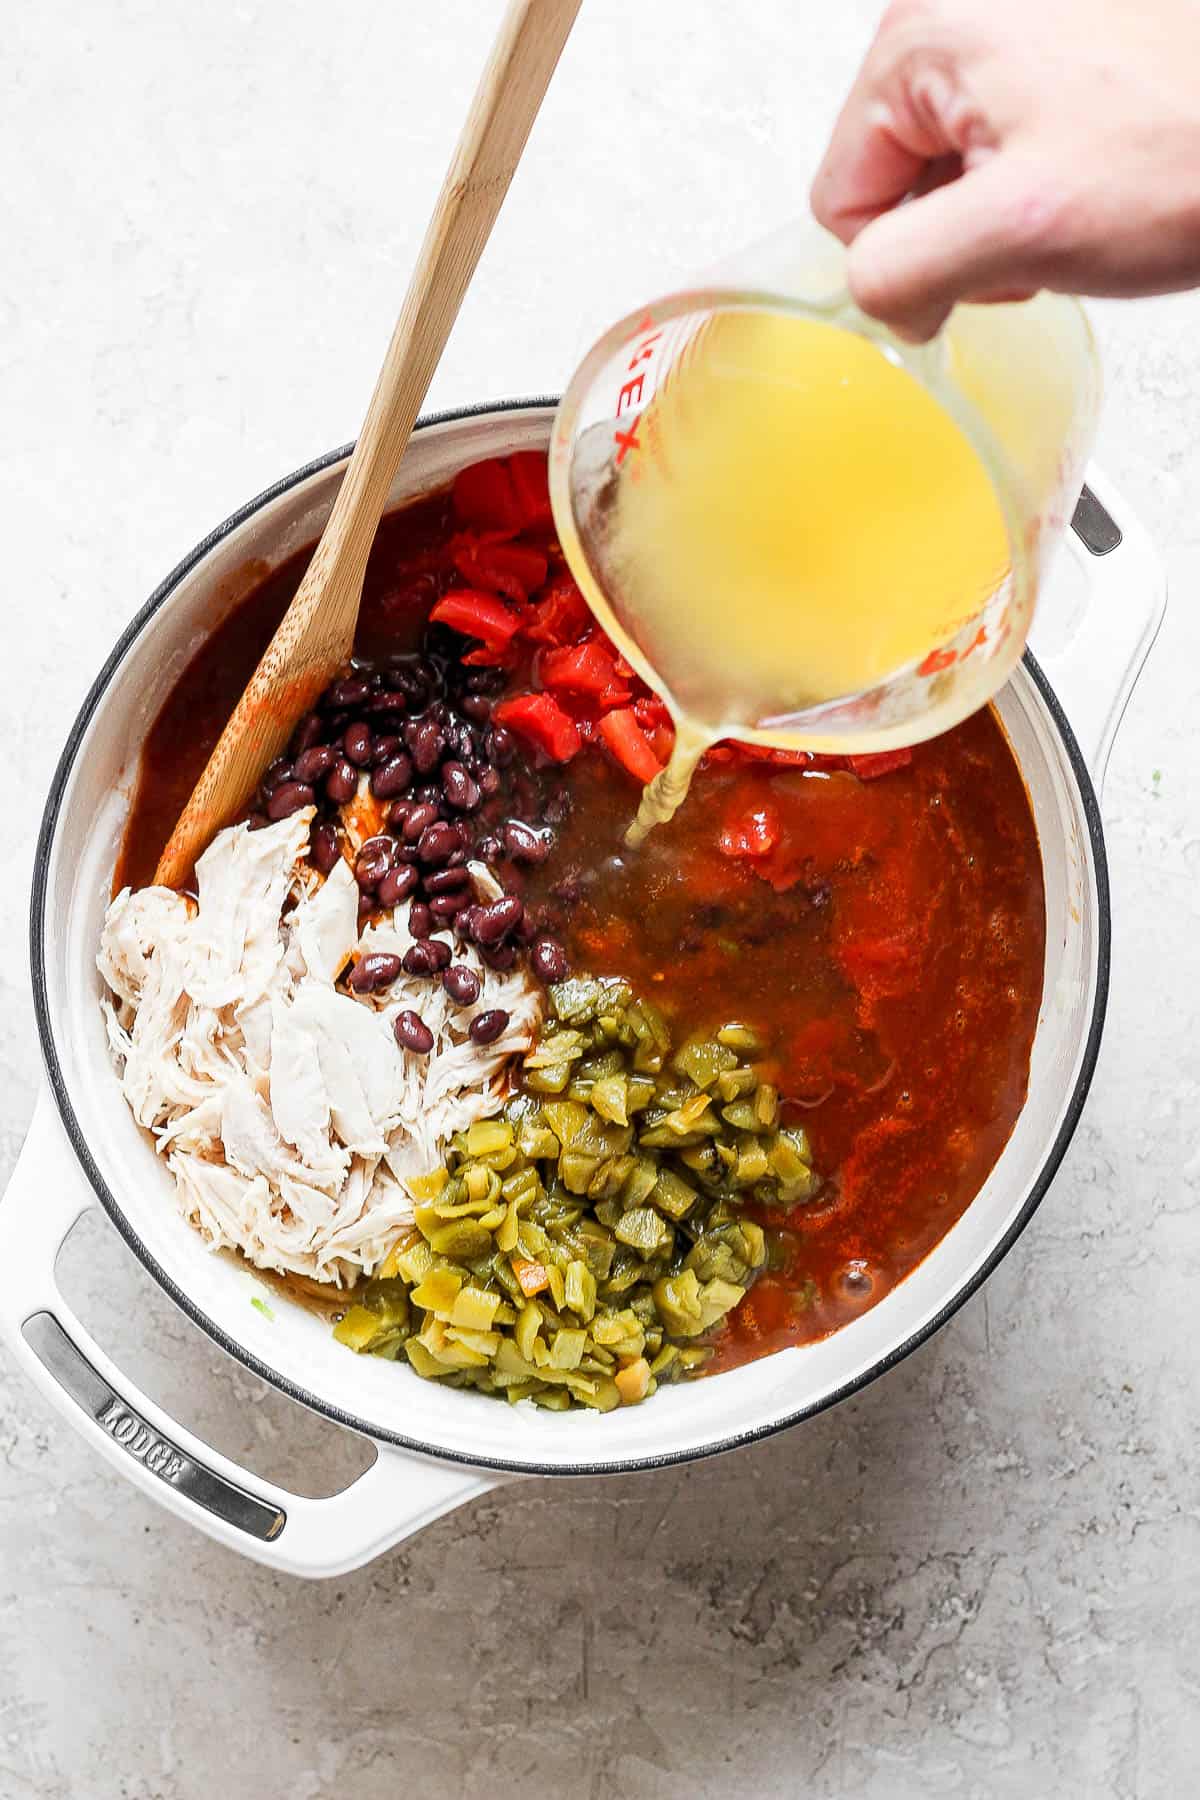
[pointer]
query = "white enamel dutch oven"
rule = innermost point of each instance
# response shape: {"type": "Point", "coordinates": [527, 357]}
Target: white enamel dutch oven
{"type": "Point", "coordinates": [437, 1448]}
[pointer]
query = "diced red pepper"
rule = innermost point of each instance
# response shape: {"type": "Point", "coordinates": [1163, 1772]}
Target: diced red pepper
{"type": "Point", "coordinates": [652, 715]}
{"type": "Point", "coordinates": [484, 496]}
{"type": "Point", "coordinates": [650, 711]}
{"type": "Point", "coordinates": [561, 614]}
{"type": "Point", "coordinates": [531, 1276]}
{"type": "Point", "coordinates": [513, 570]}
{"type": "Point", "coordinates": [752, 834]}
{"type": "Point", "coordinates": [541, 721]}
{"type": "Point", "coordinates": [580, 668]}
{"type": "Point", "coordinates": [477, 615]}
{"type": "Point", "coordinates": [880, 762]}
{"type": "Point", "coordinates": [531, 487]}
{"type": "Point", "coordinates": [629, 743]}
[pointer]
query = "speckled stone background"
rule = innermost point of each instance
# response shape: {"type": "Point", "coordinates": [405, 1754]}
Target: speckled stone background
{"type": "Point", "coordinates": [981, 1577]}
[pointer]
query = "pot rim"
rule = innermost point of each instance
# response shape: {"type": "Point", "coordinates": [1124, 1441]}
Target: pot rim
{"type": "Point", "coordinates": [518, 1466]}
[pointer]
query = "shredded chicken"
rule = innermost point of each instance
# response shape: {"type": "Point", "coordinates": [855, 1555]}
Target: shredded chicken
{"type": "Point", "coordinates": [287, 1113]}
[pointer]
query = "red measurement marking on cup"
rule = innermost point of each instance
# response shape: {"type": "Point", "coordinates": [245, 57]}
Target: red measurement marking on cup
{"type": "Point", "coordinates": [630, 393]}
{"type": "Point", "coordinates": [627, 441]}
{"type": "Point", "coordinates": [943, 658]}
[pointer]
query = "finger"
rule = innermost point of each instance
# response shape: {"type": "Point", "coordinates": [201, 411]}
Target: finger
{"type": "Point", "coordinates": [988, 233]}
{"type": "Point", "coordinates": [868, 168]}
{"type": "Point", "coordinates": [891, 128]}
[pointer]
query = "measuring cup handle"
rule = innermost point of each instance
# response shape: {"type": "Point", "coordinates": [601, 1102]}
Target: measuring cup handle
{"type": "Point", "coordinates": [1095, 673]}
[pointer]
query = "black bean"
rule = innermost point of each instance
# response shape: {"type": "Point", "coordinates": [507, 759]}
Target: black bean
{"type": "Point", "coordinates": [323, 846]}
{"type": "Point", "coordinates": [420, 919]}
{"type": "Point", "coordinates": [458, 787]}
{"type": "Point", "coordinates": [486, 1027]}
{"type": "Point", "coordinates": [549, 960]}
{"type": "Point", "coordinates": [257, 821]}
{"type": "Point", "coordinates": [488, 778]}
{"type": "Point", "coordinates": [477, 707]}
{"type": "Point", "coordinates": [397, 885]}
{"type": "Point", "coordinates": [499, 956]}
{"type": "Point", "coordinates": [407, 681]}
{"type": "Point", "coordinates": [391, 777]}
{"type": "Point", "coordinates": [421, 959]}
{"type": "Point", "coordinates": [311, 730]}
{"type": "Point", "coordinates": [412, 1033]}
{"type": "Point", "coordinates": [429, 793]}
{"type": "Point", "coordinates": [439, 950]}
{"type": "Point", "coordinates": [427, 742]}
{"type": "Point", "coordinates": [390, 700]}
{"type": "Point", "coordinates": [523, 843]}
{"type": "Point", "coordinates": [437, 842]}
{"type": "Point", "coordinates": [459, 741]}
{"type": "Point", "coordinates": [279, 772]}
{"type": "Point", "coordinates": [462, 984]}
{"type": "Point", "coordinates": [398, 811]}
{"type": "Point", "coordinates": [377, 970]}
{"type": "Point", "coordinates": [351, 691]}
{"type": "Point", "coordinates": [569, 890]}
{"type": "Point", "coordinates": [501, 745]}
{"type": "Point", "coordinates": [439, 712]}
{"type": "Point", "coordinates": [420, 818]}
{"type": "Point", "coordinates": [366, 906]}
{"type": "Point", "coordinates": [489, 849]}
{"type": "Point", "coordinates": [528, 929]}
{"type": "Point", "coordinates": [357, 744]}
{"type": "Point", "coordinates": [384, 748]}
{"type": "Point", "coordinates": [288, 798]}
{"type": "Point", "coordinates": [446, 881]}
{"type": "Point", "coordinates": [310, 765]}
{"type": "Point", "coordinates": [497, 920]}
{"type": "Point", "coordinates": [485, 681]}
{"type": "Point", "coordinates": [373, 862]}
{"type": "Point", "coordinates": [448, 906]}
{"type": "Point", "coordinates": [464, 924]}
{"type": "Point", "coordinates": [558, 807]}
{"type": "Point", "coordinates": [341, 783]}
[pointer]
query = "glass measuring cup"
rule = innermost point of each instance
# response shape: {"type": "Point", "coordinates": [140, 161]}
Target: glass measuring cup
{"type": "Point", "coordinates": [1006, 394]}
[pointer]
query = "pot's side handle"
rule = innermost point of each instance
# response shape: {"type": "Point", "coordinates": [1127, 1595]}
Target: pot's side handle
{"type": "Point", "coordinates": [1096, 672]}
{"type": "Point", "coordinates": [396, 1496]}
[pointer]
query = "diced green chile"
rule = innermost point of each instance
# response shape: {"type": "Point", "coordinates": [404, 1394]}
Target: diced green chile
{"type": "Point", "coordinates": [596, 1230]}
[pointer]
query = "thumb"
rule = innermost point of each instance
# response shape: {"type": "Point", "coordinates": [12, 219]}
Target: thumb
{"type": "Point", "coordinates": [987, 232]}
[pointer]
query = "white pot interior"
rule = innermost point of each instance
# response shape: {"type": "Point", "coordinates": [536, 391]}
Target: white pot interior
{"type": "Point", "coordinates": [387, 1399]}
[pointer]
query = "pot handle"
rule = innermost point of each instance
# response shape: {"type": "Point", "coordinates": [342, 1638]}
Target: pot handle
{"type": "Point", "coordinates": [1096, 671]}
{"type": "Point", "coordinates": [396, 1496]}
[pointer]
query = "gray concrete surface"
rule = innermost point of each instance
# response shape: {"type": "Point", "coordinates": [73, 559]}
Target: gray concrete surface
{"type": "Point", "coordinates": [978, 1579]}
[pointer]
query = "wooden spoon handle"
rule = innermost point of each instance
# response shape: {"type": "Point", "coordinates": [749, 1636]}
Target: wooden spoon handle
{"type": "Point", "coordinates": [316, 634]}
{"type": "Point", "coordinates": [510, 91]}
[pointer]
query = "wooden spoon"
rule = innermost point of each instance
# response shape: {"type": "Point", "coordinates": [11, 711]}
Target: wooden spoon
{"type": "Point", "coordinates": [316, 634]}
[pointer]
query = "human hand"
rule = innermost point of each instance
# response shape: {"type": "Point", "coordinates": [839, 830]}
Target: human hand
{"type": "Point", "coordinates": [1045, 143]}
